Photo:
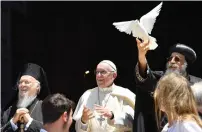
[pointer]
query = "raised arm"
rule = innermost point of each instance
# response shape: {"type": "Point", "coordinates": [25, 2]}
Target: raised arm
{"type": "Point", "coordinates": [143, 48]}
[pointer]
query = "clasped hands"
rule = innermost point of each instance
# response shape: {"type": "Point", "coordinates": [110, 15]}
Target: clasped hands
{"type": "Point", "coordinates": [21, 113]}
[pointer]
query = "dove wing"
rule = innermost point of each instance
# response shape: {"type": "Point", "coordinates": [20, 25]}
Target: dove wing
{"type": "Point", "coordinates": [149, 19]}
{"type": "Point", "coordinates": [139, 31]}
{"type": "Point", "coordinates": [125, 26]}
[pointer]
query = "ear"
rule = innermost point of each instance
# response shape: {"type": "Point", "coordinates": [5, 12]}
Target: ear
{"type": "Point", "coordinates": [65, 116]}
{"type": "Point", "coordinates": [38, 90]}
{"type": "Point", "coordinates": [114, 75]}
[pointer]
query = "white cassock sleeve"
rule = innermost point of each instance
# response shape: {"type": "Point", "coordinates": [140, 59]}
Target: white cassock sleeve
{"type": "Point", "coordinates": [80, 127]}
{"type": "Point", "coordinates": [124, 120]}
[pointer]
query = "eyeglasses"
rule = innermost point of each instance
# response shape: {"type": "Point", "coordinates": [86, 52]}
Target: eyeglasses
{"type": "Point", "coordinates": [25, 82]}
{"type": "Point", "coordinates": [102, 72]}
{"type": "Point", "coordinates": [176, 58]}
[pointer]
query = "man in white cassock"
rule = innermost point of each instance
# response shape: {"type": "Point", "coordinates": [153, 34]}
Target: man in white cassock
{"type": "Point", "coordinates": [106, 108]}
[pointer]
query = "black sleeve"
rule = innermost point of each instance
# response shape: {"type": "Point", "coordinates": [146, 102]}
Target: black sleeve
{"type": "Point", "coordinates": [5, 122]}
{"type": "Point", "coordinates": [148, 83]}
{"type": "Point", "coordinates": [7, 128]}
{"type": "Point", "coordinates": [144, 120]}
{"type": "Point", "coordinates": [145, 88]}
{"type": "Point", "coordinates": [35, 126]}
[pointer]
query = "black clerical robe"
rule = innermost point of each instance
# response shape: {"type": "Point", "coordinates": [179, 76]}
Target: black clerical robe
{"type": "Point", "coordinates": [144, 120]}
{"type": "Point", "coordinates": [35, 112]}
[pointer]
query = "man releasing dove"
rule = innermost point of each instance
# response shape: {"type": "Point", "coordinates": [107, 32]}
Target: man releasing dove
{"type": "Point", "coordinates": [143, 28]}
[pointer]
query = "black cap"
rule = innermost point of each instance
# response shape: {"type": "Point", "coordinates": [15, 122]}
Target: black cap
{"type": "Point", "coordinates": [185, 50]}
{"type": "Point", "coordinates": [39, 74]}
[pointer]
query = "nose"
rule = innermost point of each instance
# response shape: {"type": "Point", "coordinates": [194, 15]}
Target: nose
{"type": "Point", "coordinates": [22, 83]}
{"type": "Point", "coordinates": [21, 87]}
{"type": "Point", "coordinates": [172, 60]}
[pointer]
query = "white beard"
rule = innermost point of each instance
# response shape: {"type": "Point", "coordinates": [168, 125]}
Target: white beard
{"type": "Point", "coordinates": [182, 72]}
{"type": "Point", "coordinates": [24, 101]}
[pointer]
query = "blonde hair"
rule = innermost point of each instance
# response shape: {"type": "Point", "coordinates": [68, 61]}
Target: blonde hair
{"type": "Point", "coordinates": [173, 94]}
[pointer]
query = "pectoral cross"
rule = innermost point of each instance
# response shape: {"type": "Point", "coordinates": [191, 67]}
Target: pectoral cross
{"type": "Point", "coordinates": [101, 119]}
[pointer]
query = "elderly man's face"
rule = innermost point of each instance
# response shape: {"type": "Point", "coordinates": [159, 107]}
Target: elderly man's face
{"type": "Point", "coordinates": [176, 62]}
{"type": "Point", "coordinates": [28, 85]}
{"type": "Point", "coordinates": [105, 75]}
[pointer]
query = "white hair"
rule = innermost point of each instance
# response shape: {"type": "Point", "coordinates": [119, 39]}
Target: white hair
{"type": "Point", "coordinates": [110, 63]}
{"type": "Point", "coordinates": [39, 86]}
{"type": "Point", "coordinates": [24, 101]}
{"type": "Point", "coordinates": [197, 91]}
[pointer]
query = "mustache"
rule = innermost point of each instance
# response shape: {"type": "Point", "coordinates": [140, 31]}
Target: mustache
{"type": "Point", "coordinates": [172, 65]}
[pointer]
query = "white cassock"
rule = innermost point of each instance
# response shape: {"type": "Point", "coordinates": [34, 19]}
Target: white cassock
{"type": "Point", "coordinates": [119, 100]}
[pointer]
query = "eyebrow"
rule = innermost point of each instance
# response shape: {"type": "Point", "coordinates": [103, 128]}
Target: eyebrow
{"type": "Point", "coordinates": [177, 56]}
{"type": "Point", "coordinates": [100, 70]}
{"type": "Point", "coordinates": [25, 80]}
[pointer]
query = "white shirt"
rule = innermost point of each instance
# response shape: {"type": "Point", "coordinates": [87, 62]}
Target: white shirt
{"type": "Point", "coordinates": [43, 130]}
{"type": "Point", "coordinates": [184, 126]}
{"type": "Point", "coordinates": [15, 127]}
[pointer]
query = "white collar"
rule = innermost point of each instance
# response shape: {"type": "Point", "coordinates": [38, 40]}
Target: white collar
{"type": "Point", "coordinates": [107, 89]}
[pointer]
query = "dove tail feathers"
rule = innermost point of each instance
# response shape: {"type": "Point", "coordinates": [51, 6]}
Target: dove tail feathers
{"type": "Point", "coordinates": [152, 44]}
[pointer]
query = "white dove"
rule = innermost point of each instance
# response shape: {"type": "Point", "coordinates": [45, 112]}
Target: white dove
{"type": "Point", "coordinates": [143, 28]}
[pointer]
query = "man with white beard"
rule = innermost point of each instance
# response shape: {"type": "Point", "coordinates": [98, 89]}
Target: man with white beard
{"type": "Point", "coordinates": [25, 112]}
{"type": "Point", "coordinates": [181, 57]}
